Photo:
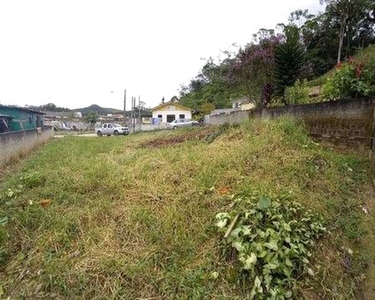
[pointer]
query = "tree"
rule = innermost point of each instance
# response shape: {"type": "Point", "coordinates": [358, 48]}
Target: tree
{"type": "Point", "coordinates": [252, 71]}
{"type": "Point", "coordinates": [347, 13]}
{"type": "Point", "coordinates": [91, 118]}
{"type": "Point", "coordinates": [209, 86]}
{"type": "Point", "coordinates": [271, 62]}
{"type": "Point", "coordinates": [289, 61]}
{"type": "Point", "coordinates": [174, 99]}
{"type": "Point", "coordinates": [206, 108]}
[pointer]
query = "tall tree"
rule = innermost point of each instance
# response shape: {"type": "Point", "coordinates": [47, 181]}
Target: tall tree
{"type": "Point", "coordinates": [347, 13]}
{"type": "Point", "coordinates": [289, 60]}
{"type": "Point", "coordinates": [252, 71]}
{"type": "Point", "coordinates": [208, 87]}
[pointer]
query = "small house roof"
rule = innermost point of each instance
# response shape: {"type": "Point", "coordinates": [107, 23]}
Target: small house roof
{"type": "Point", "coordinates": [55, 113]}
{"type": "Point", "coordinates": [23, 109]}
{"type": "Point", "coordinates": [5, 117]}
{"type": "Point", "coordinates": [170, 103]}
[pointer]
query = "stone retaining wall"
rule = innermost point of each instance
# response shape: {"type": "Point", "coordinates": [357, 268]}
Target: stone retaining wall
{"type": "Point", "coordinates": [343, 123]}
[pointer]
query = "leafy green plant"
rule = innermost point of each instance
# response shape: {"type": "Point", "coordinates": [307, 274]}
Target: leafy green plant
{"type": "Point", "coordinates": [298, 93]}
{"type": "Point", "coordinates": [273, 239]}
{"type": "Point", "coordinates": [351, 80]}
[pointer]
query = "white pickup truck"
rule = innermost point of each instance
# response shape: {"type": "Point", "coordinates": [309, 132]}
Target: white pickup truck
{"type": "Point", "coordinates": [112, 128]}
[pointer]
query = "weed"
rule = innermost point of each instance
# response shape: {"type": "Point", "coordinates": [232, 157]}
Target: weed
{"type": "Point", "coordinates": [273, 239]}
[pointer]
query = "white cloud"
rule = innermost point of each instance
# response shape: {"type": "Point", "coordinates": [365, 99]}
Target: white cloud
{"type": "Point", "coordinates": [75, 52]}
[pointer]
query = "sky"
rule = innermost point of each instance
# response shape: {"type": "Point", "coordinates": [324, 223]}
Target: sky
{"type": "Point", "coordinates": [75, 53]}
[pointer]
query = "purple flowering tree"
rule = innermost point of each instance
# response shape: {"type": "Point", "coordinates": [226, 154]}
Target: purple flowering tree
{"type": "Point", "coordinates": [252, 71]}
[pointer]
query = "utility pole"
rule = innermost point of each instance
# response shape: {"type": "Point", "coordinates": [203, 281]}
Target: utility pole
{"type": "Point", "coordinates": [133, 113]}
{"type": "Point", "coordinates": [139, 113]}
{"type": "Point", "coordinates": [125, 107]}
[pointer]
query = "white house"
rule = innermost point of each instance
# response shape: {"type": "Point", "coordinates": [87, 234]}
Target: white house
{"type": "Point", "coordinates": [170, 111]}
{"type": "Point", "coordinates": [242, 103]}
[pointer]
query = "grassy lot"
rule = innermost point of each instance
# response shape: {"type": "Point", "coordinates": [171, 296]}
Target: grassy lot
{"type": "Point", "coordinates": [133, 217]}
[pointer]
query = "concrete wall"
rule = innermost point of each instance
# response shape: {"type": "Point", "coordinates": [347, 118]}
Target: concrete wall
{"type": "Point", "coordinates": [150, 127]}
{"type": "Point", "coordinates": [16, 143]}
{"type": "Point", "coordinates": [342, 123]}
{"type": "Point", "coordinates": [234, 117]}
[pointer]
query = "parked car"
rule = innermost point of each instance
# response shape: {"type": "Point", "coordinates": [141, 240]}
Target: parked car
{"type": "Point", "coordinates": [112, 128]}
{"type": "Point", "coordinates": [183, 123]}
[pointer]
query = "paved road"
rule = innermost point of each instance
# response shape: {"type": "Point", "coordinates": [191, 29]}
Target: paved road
{"type": "Point", "coordinates": [78, 135]}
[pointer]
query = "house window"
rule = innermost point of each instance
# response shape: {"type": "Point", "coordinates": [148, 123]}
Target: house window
{"type": "Point", "coordinates": [160, 117]}
{"type": "Point", "coordinates": [170, 118]}
{"type": "Point", "coordinates": [182, 116]}
{"type": "Point", "coordinates": [30, 121]}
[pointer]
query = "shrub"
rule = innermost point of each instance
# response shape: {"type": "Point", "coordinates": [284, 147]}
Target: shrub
{"type": "Point", "coordinates": [298, 93]}
{"type": "Point", "coordinates": [273, 239]}
{"type": "Point", "coordinates": [351, 80]}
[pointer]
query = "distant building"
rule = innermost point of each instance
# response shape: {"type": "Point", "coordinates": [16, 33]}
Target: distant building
{"type": "Point", "coordinates": [54, 116]}
{"type": "Point", "coordinates": [242, 103]}
{"type": "Point", "coordinates": [20, 118]}
{"type": "Point", "coordinates": [170, 111]}
{"type": "Point", "coordinates": [119, 118]}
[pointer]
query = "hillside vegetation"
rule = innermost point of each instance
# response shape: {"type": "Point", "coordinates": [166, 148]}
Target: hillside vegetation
{"type": "Point", "coordinates": [363, 56]}
{"type": "Point", "coordinates": [134, 217]}
{"type": "Point", "coordinates": [269, 69]}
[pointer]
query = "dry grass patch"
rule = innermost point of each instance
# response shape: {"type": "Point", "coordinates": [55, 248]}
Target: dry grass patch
{"type": "Point", "coordinates": [131, 219]}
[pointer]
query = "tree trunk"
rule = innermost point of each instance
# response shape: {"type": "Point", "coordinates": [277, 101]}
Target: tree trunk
{"type": "Point", "coordinates": [341, 39]}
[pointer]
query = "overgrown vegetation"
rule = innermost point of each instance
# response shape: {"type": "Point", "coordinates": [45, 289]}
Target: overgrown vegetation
{"type": "Point", "coordinates": [353, 79]}
{"type": "Point", "coordinates": [307, 47]}
{"type": "Point", "coordinates": [298, 93]}
{"type": "Point", "coordinates": [94, 218]}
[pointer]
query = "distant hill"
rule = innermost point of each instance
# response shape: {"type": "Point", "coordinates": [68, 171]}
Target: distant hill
{"type": "Point", "coordinates": [49, 107]}
{"type": "Point", "coordinates": [98, 109]}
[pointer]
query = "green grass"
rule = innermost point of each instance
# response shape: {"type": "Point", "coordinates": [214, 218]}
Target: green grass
{"type": "Point", "coordinates": [128, 221]}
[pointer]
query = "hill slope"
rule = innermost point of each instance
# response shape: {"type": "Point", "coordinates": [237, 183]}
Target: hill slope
{"type": "Point", "coordinates": [361, 56]}
{"type": "Point", "coordinates": [134, 217]}
{"type": "Point", "coordinates": [98, 109]}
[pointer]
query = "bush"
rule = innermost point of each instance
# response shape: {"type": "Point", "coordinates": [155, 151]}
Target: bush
{"type": "Point", "coordinates": [298, 93]}
{"type": "Point", "coordinates": [273, 239]}
{"type": "Point", "coordinates": [351, 80]}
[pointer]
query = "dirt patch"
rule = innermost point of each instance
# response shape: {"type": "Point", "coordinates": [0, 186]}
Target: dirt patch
{"type": "Point", "coordinates": [179, 139]}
